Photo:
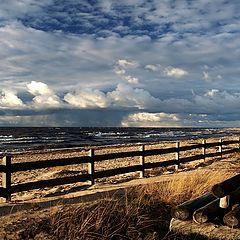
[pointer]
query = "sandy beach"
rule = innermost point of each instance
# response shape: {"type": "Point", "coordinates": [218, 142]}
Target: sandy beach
{"type": "Point", "coordinates": [37, 205]}
{"type": "Point", "coordinates": [74, 170]}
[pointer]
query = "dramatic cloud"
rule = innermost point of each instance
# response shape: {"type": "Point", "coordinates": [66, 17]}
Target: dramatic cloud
{"type": "Point", "coordinates": [126, 96]}
{"type": "Point", "coordinates": [9, 99]}
{"type": "Point", "coordinates": [87, 98]}
{"type": "Point", "coordinates": [59, 59]}
{"type": "Point", "coordinates": [39, 88]}
{"type": "Point", "coordinates": [44, 96]}
{"type": "Point", "coordinates": [145, 119]}
{"type": "Point", "coordinates": [218, 102]}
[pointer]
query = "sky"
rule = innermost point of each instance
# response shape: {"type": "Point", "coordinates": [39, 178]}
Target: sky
{"type": "Point", "coordinates": [120, 63]}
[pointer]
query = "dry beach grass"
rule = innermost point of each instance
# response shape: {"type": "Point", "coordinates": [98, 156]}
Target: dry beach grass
{"type": "Point", "coordinates": [142, 212]}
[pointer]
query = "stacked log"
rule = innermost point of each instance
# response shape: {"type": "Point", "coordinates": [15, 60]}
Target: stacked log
{"type": "Point", "coordinates": [226, 187]}
{"type": "Point", "coordinates": [232, 218]}
{"type": "Point", "coordinates": [221, 205]}
{"type": "Point", "coordinates": [185, 210]}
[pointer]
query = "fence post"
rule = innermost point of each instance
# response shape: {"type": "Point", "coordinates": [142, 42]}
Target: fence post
{"type": "Point", "coordinates": [204, 149]}
{"type": "Point", "coordinates": [142, 162]}
{"type": "Point", "coordinates": [177, 156]}
{"type": "Point", "coordinates": [6, 177]}
{"type": "Point", "coordinates": [91, 166]}
{"type": "Point", "coordinates": [220, 146]}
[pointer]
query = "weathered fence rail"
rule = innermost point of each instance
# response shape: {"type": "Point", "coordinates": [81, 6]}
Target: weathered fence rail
{"type": "Point", "coordinates": [7, 167]}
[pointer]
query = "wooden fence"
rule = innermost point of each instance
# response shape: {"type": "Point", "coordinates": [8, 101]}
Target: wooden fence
{"type": "Point", "coordinates": [7, 167]}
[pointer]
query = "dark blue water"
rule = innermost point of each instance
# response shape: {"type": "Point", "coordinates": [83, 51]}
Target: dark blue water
{"type": "Point", "coordinates": [21, 139]}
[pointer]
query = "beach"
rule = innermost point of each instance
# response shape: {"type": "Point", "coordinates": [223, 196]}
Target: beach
{"type": "Point", "coordinates": [38, 205]}
{"type": "Point", "coordinates": [78, 169]}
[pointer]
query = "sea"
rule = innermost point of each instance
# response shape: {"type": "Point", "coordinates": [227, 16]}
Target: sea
{"type": "Point", "coordinates": [22, 139]}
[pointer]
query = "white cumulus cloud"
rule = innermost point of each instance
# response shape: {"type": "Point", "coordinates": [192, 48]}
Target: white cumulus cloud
{"type": "Point", "coordinates": [146, 119]}
{"type": "Point", "coordinates": [9, 99]}
{"type": "Point", "coordinates": [39, 88]}
{"type": "Point", "coordinates": [87, 98]}
{"type": "Point", "coordinates": [44, 96]}
{"type": "Point", "coordinates": [127, 96]}
{"type": "Point", "coordinates": [175, 72]}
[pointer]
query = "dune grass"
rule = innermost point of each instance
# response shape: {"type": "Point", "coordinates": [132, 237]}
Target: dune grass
{"type": "Point", "coordinates": [143, 212]}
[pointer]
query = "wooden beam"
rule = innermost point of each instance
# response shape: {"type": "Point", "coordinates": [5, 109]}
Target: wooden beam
{"type": "Point", "coordinates": [226, 187]}
{"type": "Point", "coordinates": [160, 164]}
{"type": "Point", "coordinates": [212, 144]}
{"type": "Point", "coordinates": [191, 158]}
{"type": "Point", "coordinates": [185, 210]}
{"type": "Point", "coordinates": [220, 147]}
{"type": "Point", "coordinates": [91, 166]}
{"type": "Point", "coordinates": [33, 165]}
{"type": "Point", "coordinates": [50, 183]}
{"type": "Point", "coordinates": [191, 147]}
{"type": "Point", "coordinates": [142, 162]}
{"type": "Point", "coordinates": [177, 155]}
{"type": "Point", "coordinates": [204, 149]}
{"type": "Point", "coordinates": [6, 177]}
{"type": "Point", "coordinates": [208, 212]}
{"type": "Point", "coordinates": [232, 218]}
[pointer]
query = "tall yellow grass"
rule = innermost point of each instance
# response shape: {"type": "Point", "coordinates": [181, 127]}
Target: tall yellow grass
{"type": "Point", "coordinates": [178, 190]}
{"type": "Point", "coordinates": [143, 212]}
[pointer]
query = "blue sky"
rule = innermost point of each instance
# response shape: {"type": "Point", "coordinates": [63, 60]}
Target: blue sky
{"type": "Point", "coordinates": [120, 63]}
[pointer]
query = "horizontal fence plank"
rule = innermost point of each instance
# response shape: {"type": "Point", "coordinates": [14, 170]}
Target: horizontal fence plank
{"type": "Point", "coordinates": [212, 144]}
{"type": "Point", "coordinates": [152, 152]}
{"type": "Point", "coordinates": [149, 152]}
{"type": "Point", "coordinates": [191, 158]}
{"type": "Point", "coordinates": [24, 166]}
{"type": "Point", "coordinates": [3, 192]}
{"type": "Point", "coordinates": [234, 150]}
{"type": "Point", "coordinates": [116, 171]}
{"type": "Point", "coordinates": [191, 147]}
{"type": "Point", "coordinates": [214, 154]}
{"type": "Point", "coordinates": [160, 164]}
{"type": "Point", "coordinates": [49, 183]}
{"type": "Point", "coordinates": [230, 142]}
{"type": "Point", "coordinates": [111, 156]}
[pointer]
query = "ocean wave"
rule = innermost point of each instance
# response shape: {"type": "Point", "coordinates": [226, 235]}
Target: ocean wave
{"type": "Point", "coordinates": [47, 138]}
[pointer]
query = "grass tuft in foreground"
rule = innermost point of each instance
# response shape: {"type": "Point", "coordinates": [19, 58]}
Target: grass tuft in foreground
{"type": "Point", "coordinates": [142, 213]}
